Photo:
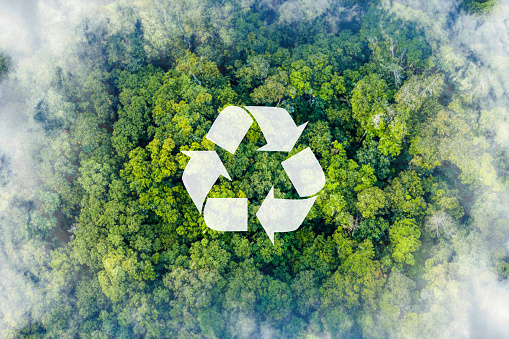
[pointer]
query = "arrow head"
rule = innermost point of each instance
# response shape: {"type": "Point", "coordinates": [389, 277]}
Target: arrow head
{"type": "Point", "coordinates": [282, 215]}
{"type": "Point", "coordinates": [285, 141]}
{"type": "Point", "coordinates": [263, 214]}
{"type": "Point", "coordinates": [201, 173]}
{"type": "Point", "coordinates": [277, 126]}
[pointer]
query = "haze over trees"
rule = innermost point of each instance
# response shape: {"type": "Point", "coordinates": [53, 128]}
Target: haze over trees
{"type": "Point", "coordinates": [110, 244]}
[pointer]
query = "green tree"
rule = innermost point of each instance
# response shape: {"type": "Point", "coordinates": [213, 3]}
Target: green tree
{"type": "Point", "coordinates": [404, 235]}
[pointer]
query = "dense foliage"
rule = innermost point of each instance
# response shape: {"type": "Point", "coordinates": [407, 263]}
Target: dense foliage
{"type": "Point", "coordinates": [388, 122]}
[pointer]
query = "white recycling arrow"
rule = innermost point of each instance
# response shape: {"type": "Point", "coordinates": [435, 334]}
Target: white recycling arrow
{"type": "Point", "coordinates": [278, 127]}
{"type": "Point", "coordinates": [226, 214]}
{"type": "Point", "coordinates": [282, 215]}
{"type": "Point", "coordinates": [229, 128]}
{"type": "Point", "coordinates": [281, 134]}
{"type": "Point", "coordinates": [305, 172]}
{"type": "Point", "coordinates": [200, 174]}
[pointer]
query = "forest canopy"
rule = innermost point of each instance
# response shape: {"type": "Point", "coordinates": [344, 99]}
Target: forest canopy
{"type": "Point", "coordinates": [108, 243]}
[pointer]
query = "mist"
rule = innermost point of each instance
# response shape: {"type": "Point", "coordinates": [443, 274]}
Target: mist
{"type": "Point", "coordinates": [36, 36]}
{"type": "Point", "coordinates": [41, 35]}
{"type": "Point", "coordinates": [476, 299]}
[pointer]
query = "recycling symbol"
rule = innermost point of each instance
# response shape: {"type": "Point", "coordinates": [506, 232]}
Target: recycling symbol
{"type": "Point", "coordinates": [281, 134]}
